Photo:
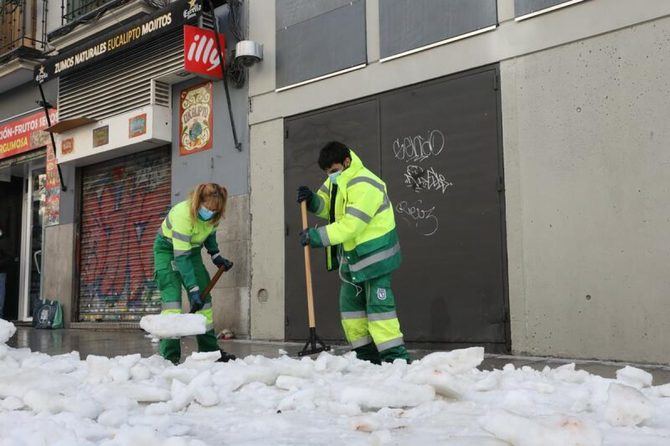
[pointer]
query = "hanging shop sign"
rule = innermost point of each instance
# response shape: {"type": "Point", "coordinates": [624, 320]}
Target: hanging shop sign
{"type": "Point", "coordinates": [126, 37]}
{"type": "Point", "coordinates": [201, 55]}
{"type": "Point", "coordinates": [24, 134]}
{"type": "Point", "coordinates": [195, 119]}
{"type": "Point", "coordinates": [52, 190]}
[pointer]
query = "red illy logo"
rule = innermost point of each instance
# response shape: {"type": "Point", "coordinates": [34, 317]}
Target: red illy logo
{"type": "Point", "coordinates": [200, 51]}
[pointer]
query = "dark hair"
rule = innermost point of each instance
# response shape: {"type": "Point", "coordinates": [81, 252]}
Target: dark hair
{"type": "Point", "coordinates": [332, 153]}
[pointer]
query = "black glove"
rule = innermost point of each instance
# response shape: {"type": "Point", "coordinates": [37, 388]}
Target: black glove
{"type": "Point", "coordinates": [304, 194]}
{"type": "Point", "coordinates": [195, 300]}
{"type": "Point", "coordinates": [221, 262]}
{"type": "Point", "coordinates": [304, 237]}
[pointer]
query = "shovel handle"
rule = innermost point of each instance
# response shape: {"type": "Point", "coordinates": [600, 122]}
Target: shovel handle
{"type": "Point", "coordinates": [308, 270]}
{"type": "Point", "coordinates": [212, 282]}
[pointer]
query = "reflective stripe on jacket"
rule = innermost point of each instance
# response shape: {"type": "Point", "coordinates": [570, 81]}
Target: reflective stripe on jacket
{"type": "Point", "coordinates": [364, 222]}
{"type": "Point", "coordinates": [179, 229]}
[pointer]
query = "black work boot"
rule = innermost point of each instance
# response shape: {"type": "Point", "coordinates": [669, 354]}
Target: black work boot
{"type": "Point", "coordinates": [368, 352]}
{"type": "Point", "coordinates": [225, 357]}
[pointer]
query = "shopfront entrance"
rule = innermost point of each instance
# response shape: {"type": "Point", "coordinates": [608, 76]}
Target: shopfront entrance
{"type": "Point", "coordinates": [22, 204]}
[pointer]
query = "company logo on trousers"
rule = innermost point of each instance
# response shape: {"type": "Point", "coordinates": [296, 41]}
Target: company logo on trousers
{"type": "Point", "coordinates": [201, 54]}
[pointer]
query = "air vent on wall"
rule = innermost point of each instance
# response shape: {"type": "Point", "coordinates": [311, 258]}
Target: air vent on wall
{"type": "Point", "coordinates": [160, 93]}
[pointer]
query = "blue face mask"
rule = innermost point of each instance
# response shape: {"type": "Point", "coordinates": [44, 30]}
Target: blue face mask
{"type": "Point", "coordinates": [333, 176]}
{"type": "Point", "coordinates": [205, 213]}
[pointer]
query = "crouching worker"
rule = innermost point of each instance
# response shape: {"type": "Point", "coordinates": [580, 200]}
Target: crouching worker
{"type": "Point", "coordinates": [362, 243]}
{"type": "Point", "coordinates": [177, 261]}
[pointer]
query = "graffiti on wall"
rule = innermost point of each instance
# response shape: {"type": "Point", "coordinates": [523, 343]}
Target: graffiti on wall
{"type": "Point", "coordinates": [123, 207]}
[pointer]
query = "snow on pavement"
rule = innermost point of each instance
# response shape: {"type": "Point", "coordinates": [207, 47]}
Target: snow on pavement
{"type": "Point", "coordinates": [442, 399]}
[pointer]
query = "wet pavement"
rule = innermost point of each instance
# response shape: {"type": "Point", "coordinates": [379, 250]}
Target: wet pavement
{"type": "Point", "coordinates": [124, 342]}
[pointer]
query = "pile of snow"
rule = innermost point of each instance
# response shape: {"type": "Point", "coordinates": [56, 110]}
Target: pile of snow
{"type": "Point", "coordinates": [164, 326]}
{"type": "Point", "coordinates": [7, 330]}
{"type": "Point", "coordinates": [627, 406]}
{"type": "Point", "coordinates": [634, 377]}
{"type": "Point", "coordinates": [442, 399]}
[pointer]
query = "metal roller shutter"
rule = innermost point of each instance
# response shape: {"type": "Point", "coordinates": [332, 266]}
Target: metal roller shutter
{"type": "Point", "coordinates": [123, 203]}
{"type": "Point", "coordinates": [124, 82]}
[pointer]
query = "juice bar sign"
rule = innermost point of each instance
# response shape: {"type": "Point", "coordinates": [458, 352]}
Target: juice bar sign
{"type": "Point", "coordinates": [24, 134]}
{"type": "Point", "coordinates": [141, 30]}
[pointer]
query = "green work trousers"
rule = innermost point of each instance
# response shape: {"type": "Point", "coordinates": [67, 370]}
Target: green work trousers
{"type": "Point", "coordinates": [370, 322]}
{"type": "Point", "coordinates": [169, 283]}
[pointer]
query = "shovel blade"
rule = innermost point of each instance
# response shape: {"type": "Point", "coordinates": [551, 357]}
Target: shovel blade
{"type": "Point", "coordinates": [314, 344]}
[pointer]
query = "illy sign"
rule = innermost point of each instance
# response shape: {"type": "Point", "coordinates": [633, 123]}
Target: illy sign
{"type": "Point", "coordinates": [200, 52]}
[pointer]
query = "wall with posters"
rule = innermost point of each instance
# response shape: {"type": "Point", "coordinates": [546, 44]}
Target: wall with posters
{"type": "Point", "coordinates": [204, 151]}
{"type": "Point", "coordinates": [196, 157]}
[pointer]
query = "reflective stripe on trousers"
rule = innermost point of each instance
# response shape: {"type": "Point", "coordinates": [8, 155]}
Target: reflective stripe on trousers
{"type": "Point", "coordinates": [355, 325]}
{"type": "Point", "coordinates": [207, 312]}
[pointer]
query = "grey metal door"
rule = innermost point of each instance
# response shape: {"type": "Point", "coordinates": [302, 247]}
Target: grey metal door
{"type": "Point", "coordinates": [440, 155]}
{"type": "Point", "coordinates": [357, 126]}
{"type": "Point", "coordinates": [442, 163]}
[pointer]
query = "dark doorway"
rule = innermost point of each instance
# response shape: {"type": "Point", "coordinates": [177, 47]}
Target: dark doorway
{"type": "Point", "coordinates": [352, 125]}
{"type": "Point", "coordinates": [437, 146]}
{"type": "Point", "coordinates": [11, 197]}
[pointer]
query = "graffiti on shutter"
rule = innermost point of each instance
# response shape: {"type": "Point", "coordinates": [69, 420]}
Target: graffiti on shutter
{"type": "Point", "coordinates": [123, 204]}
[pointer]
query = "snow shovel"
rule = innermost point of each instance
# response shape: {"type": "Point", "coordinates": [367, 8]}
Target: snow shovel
{"type": "Point", "coordinates": [314, 344]}
{"type": "Point", "coordinates": [212, 282]}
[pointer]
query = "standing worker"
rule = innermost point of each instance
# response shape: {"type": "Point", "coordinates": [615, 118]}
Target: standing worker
{"type": "Point", "coordinates": [177, 261]}
{"type": "Point", "coordinates": [362, 243]}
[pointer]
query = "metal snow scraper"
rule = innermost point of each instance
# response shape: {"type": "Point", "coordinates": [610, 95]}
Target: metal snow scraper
{"type": "Point", "coordinates": [314, 344]}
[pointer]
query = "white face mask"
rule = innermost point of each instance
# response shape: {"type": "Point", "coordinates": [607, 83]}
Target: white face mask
{"type": "Point", "coordinates": [333, 176]}
{"type": "Point", "coordinates": [205, 213]}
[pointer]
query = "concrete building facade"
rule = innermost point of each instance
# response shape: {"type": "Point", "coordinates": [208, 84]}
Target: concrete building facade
{"type": "Point", "coordinates": [583, 97]}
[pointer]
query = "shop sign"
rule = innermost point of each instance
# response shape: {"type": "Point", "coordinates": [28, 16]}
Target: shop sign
{"type": "Point", "coordinates": [137, 125]}
{"type": "Point", "coordinates": [52, 189]}
{"type": "Point", "coordinates": [67, 146]}
{"type": "Point", "coordinates": [135, 32]}
{"type": "Point", "coordinates": [25, 134]}
{"type": "Point", "coordinates": [201, 55]}
{"type": "Point", "coordinates": [195, 119]}
{"type": "Point", "coordinates": [101, 136]}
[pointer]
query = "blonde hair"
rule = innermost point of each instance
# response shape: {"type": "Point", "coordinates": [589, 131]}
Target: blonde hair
{"type": "Point", "coordinates": [211, 195]}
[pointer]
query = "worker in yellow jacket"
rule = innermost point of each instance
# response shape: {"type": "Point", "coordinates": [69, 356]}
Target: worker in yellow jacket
{"type": "Point", "coordinates": [188, 226]}
{"type": "Point", "coordinates": [362, 243]}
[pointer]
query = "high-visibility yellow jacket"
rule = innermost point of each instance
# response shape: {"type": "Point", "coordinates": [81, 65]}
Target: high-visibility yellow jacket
{"type": "Point", "coordinates": [361, 220]}
{"type": "Point", "coordinates": [185, 235]}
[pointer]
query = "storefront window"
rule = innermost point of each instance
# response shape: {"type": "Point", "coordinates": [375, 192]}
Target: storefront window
{"type": "Point", "coordinates": [38, 200]}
